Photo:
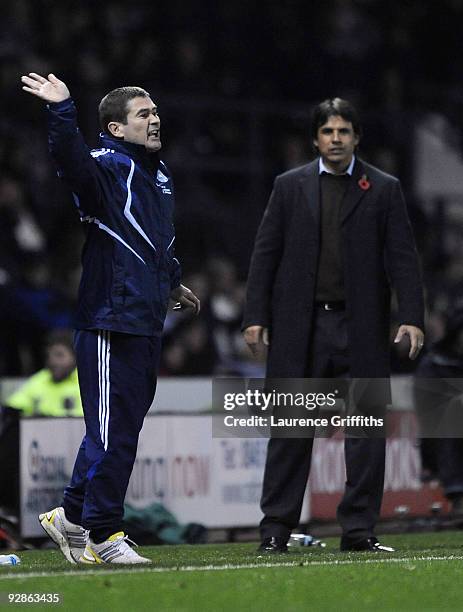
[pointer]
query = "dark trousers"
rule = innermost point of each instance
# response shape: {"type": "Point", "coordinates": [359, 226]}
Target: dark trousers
{"type": "Point", "coordinates": [117, 379]}
{"type": "Point", "coordinates": [288, 459]}
{"type": "Point", "coordinates": [437, 410]}
{"type": "Point", "coordinates": [450, 461]}
{"type": "Point", "coordinates": [9, 460]}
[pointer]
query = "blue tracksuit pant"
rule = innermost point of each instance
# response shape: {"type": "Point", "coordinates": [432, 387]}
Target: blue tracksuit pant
{"type": "Point", "coordinates": [117, 379]}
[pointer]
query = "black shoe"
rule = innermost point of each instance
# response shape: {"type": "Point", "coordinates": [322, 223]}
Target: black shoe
{"type": "Point", "coordinates": [367, 544]}
{"type": "Point", "coordinates": [273, 545]}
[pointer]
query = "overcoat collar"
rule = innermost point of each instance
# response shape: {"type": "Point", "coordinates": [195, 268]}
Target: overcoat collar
{"type": "Point", "coordinates": [310, 184]}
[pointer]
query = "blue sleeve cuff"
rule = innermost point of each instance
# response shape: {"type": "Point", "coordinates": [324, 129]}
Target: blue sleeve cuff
{"type": "Point", "coordinates": [64, 104]}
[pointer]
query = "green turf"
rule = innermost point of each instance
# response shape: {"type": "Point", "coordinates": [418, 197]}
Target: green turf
{"type": "Point", "coordinates": [306, 579]}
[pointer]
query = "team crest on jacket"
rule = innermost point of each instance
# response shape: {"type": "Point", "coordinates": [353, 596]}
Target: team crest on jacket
{"type": "Point", "coordinates": [162, 178]}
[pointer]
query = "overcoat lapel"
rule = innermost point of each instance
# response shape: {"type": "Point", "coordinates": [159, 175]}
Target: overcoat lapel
{"type": "Point", "coordinates": [310, 188]}
{"type": "Point", "coordinates": [354, 192]}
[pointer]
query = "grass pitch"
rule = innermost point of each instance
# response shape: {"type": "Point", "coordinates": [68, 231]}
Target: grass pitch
{"type": "Point", "coordinates": [424, 574]}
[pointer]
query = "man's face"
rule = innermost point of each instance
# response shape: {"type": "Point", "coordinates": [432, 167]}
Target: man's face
{"type": "Point", "coordinates": [60, 361]}
{"type": "Point", "coordinates": [336, 142]}
{"type": "Point", "coordinates": [143, 125]}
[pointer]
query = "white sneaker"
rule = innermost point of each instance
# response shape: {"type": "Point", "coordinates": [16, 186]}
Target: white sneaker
{"type": "Point", "coordinates": [71, 538]}
{"type": "Point", "coordinates": [113, 550]}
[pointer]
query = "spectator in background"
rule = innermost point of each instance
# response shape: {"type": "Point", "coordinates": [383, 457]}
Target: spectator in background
{"type": "Point", "coordinates": [22, 242]}
{"type": "Point", "coordinates": [31, 300]}
{"type": "Point", "coordinates": [225, 304]}
{"type": "Point", "coordinates": [31, 306]}
{"type": "Point", "coordinates": [211, 344]}
{"type": "Point", "coordinates": [189, 348]}
{"type": "Point", "coordinates": [190, 352]}
{"type": "Point", "coordinates": [442, 457]}
{"type": "Point", "coordinates": [53, 391]}
{"type": "Point", "coordinates": [22, 239]}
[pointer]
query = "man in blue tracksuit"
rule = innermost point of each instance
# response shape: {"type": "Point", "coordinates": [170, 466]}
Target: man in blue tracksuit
{"type": "Point", "coordinates": [124, 195]}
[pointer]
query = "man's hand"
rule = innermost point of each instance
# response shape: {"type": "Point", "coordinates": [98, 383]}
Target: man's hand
{"type": "Point", "coordinates": [256, 337]}
{"type": "Point", "coordinates": [50, 90]}
{"type": "Point", "coordinates": [185, 298]}
{"type": "Point", "coordinates": [416, 339]}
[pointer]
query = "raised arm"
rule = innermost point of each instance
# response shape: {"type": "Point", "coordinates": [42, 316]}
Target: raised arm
{"type": "Point", "coordinates": [75, 163]}
{"type": "Point", "coordinates": [50, 89]}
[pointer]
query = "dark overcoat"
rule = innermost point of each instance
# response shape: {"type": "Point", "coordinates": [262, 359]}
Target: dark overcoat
{"type": "Point", "coordinates": [378, 253]}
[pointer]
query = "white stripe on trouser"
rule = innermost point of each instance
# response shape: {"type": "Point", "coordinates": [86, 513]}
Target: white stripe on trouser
{"type": "Point", "coordinates": [104, 351]}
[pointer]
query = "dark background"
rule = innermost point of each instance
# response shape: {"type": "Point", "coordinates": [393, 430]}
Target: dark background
{"type": "Point", "coordinates": [235, 83]}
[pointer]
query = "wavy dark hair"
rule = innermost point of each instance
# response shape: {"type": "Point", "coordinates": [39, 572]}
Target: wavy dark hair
{"type": "Point", "coordinates": [335, 107]}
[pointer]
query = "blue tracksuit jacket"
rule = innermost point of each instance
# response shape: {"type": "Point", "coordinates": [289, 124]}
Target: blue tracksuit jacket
{"type": "Point", "coordinates": [125, 196]}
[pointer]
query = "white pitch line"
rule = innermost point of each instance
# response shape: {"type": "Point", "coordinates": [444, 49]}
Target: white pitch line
{"type": "Point", "coordinates": [217, 568]}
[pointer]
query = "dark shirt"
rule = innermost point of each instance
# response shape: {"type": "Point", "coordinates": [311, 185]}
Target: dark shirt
{"type": "Point", "coordinates": [330, 275]}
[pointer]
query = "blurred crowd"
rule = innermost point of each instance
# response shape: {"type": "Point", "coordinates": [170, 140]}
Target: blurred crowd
{"type": "Point", "coordinates": [235, 83]}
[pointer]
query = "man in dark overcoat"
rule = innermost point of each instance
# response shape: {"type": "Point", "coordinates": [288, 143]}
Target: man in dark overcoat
{"type": "Point", "coordinates": [334, 239]}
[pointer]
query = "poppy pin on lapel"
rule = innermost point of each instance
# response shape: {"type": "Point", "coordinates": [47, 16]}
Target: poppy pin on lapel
{"type": "Point", "coordinates": [364, 183]}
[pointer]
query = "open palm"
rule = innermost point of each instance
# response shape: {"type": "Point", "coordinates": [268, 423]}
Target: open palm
{"type": "Point", "coordinates": [49, 89]}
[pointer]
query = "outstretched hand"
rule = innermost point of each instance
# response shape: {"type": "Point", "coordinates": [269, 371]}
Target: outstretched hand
{"type": "Point", "coordinates": [49, 89]}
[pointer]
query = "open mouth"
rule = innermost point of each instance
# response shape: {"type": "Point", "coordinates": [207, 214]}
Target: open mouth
{"type": "Point", "coordinates": [154, 133]}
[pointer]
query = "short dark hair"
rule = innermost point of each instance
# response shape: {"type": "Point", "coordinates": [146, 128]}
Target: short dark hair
{"type": "Point", "coordinates": [113, 107]}
{"type": "Point", "coordinates": [335, 107]}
